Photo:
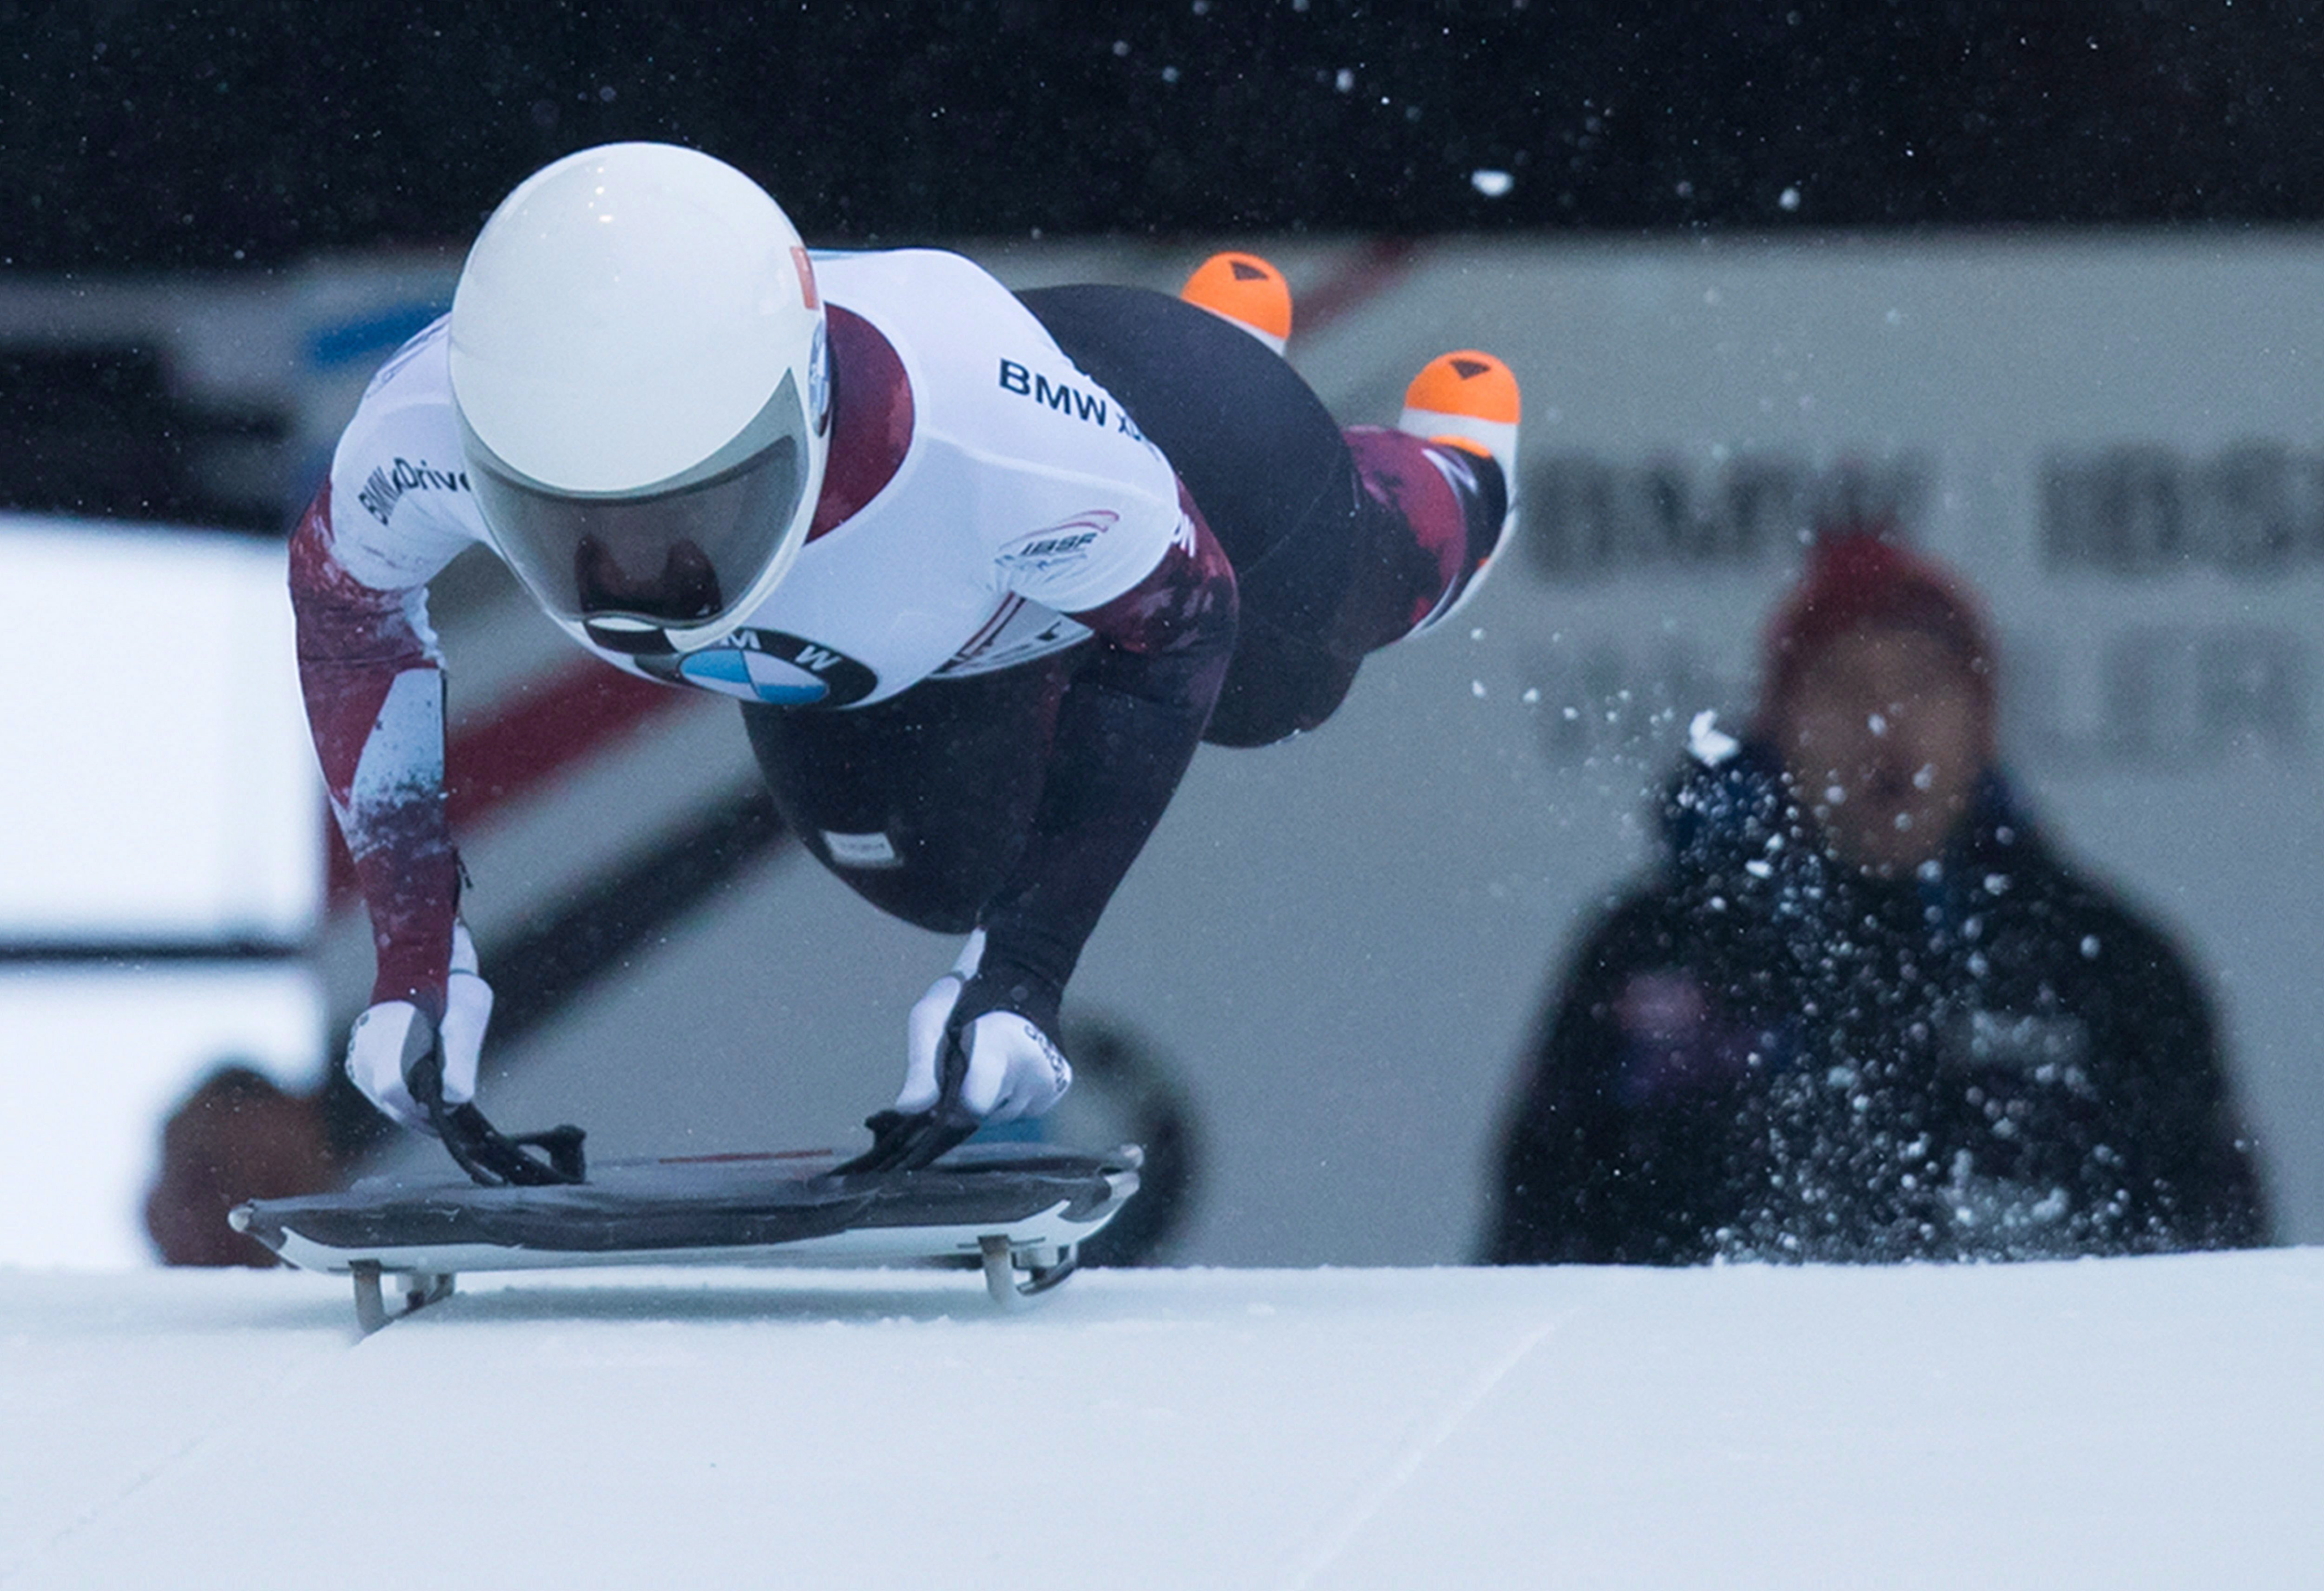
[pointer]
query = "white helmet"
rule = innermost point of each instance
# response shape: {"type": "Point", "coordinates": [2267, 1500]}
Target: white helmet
{"type": "Point", "coordinates": [637, 363]}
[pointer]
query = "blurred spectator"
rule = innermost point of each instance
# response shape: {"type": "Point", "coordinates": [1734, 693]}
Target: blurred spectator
{"type": "Point", "coordinates": [237, 1136]}
{"type": "Point", "coordinates": [1863, 1012]}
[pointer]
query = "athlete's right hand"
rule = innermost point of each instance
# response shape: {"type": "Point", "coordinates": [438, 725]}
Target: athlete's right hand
{"type": "Point", "coordinates": [981, 1050]}
{"type": "Point", "coordinates": [996, 1034]}
{"type": "Point", "coordinates": [394, 1035]}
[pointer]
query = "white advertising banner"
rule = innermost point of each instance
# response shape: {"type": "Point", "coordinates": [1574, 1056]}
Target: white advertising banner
{"type": "Point", "coordinates": [2118, 442]}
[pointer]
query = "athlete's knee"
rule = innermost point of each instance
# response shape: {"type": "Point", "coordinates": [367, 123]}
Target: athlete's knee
{"type": "Point", "coordinates": [1436, 514]}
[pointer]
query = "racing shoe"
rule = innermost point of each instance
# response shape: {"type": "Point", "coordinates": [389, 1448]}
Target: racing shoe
{"type": "Point", "coordinates": [1247, 290]}
{"type": "Point", "coordinates": [1466, 405]}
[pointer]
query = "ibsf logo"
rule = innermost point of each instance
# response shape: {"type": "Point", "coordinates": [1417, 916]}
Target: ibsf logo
{"type": "Point", "coordinates": [1059, 545]}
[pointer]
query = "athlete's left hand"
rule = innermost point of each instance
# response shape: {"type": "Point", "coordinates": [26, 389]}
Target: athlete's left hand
{"type": "Point", "coordinates": [389, 1037]}
{"type": "Point", "coordinates": [983, 1048]}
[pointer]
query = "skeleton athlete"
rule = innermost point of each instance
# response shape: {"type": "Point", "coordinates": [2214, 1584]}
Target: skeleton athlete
{"type": "Point", "coordinates": [982, 568]}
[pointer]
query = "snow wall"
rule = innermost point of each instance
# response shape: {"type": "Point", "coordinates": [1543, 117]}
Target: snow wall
{"type": "Point", "coordinates": [1339, 944]}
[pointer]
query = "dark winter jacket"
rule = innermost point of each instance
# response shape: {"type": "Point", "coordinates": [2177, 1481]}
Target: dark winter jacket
{"type": "Point", "coordinates": [1768, 1053]}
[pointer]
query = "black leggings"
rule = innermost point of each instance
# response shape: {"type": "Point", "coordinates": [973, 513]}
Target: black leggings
{"type": "Point", "coordinates": [921, 803]}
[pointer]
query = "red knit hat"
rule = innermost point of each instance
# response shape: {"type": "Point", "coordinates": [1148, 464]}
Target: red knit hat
{"type": "Point", "coordinates": [1856, 577]}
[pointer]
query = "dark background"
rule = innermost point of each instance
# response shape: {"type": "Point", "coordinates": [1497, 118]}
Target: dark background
{"type": "Point", "coordinates": [151, 135]}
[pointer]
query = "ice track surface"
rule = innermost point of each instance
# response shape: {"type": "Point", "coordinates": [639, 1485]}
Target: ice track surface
{"type": "Point", "coordinates": [2146, 1423]}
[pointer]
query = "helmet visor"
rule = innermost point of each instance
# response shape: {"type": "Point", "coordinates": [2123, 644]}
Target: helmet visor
{"type": "Point", "coordinates": [674, 552]}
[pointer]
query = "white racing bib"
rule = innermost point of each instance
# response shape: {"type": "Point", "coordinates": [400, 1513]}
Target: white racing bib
{"type": "Point", "coordinates": [1025, 494]}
